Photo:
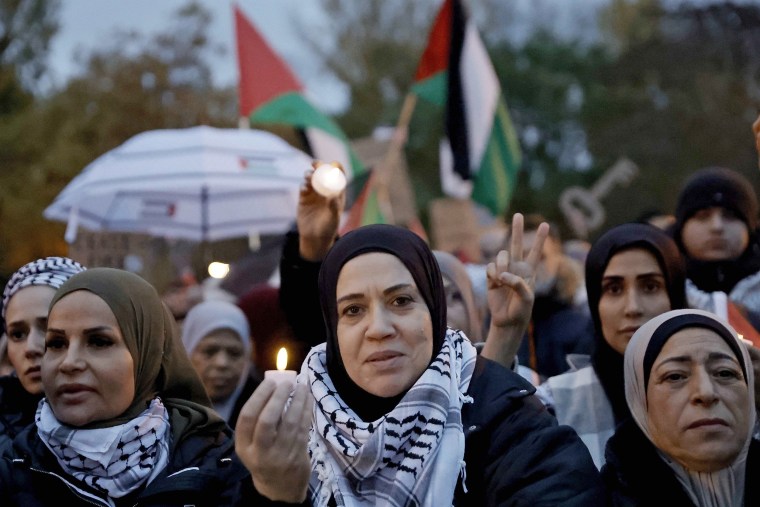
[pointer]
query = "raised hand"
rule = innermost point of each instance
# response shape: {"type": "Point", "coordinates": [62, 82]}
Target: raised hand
{"type": "Point", "coordinates": [317, 218]}
{"type": "Point", "coordinates": [511, 280]}
{"type": "Point", "coordinates": [271, 441]}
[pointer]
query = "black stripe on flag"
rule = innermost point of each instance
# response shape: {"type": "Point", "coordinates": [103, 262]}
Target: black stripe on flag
{"type": "Point", "coordinates": [456, 120]}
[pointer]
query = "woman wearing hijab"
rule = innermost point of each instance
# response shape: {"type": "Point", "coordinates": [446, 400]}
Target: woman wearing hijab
{"type": "Point", "coordinates": [217, 339]}
{"type": "Point", "coordinates": [125, 419]}
{"type": "Point", "coordinates": [26, 299]}
{"type": "Point", "coordinates": [406, 412]}
{"type": "Point", "coordinates": [689, 386]}
{"type": "Point", "coordinates": [634, 272]}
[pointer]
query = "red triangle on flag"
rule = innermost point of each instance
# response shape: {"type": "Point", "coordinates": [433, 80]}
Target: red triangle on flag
{"type": "Point", "coordinates": [263, 74]}
{"type": "Point", "coordinates": [436, 56]}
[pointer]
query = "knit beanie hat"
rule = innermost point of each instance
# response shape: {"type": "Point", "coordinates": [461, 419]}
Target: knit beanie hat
{"type": "Point", "coordinates": [717, 186]}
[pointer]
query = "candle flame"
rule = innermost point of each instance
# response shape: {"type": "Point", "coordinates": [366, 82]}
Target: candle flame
{"type": "Point", "coordinates": [282, 358]}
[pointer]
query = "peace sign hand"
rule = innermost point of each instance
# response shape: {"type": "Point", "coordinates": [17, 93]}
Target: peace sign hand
{"type": "Point", "coordinates": [511, 280]}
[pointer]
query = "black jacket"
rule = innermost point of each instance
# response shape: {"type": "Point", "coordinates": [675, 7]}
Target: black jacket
{"type": "Point", "coordinates": [17, 407]}
{"type": "Point", "coordinates": [299, 294]}
{"type": "Point", "coordinates": [558, 328]}
{"type": "Point", "coordinates": [202, 471]}
{"type": "Point", "coordinates": [250, 385]}
{"type": "Point", "coordinates": [516, 453]}
{"type": "Point", "coordinates": [637, 477]}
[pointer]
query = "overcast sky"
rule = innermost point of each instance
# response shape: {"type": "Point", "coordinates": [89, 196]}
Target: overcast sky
{"type": "Point", "coordinates": [86, 24]}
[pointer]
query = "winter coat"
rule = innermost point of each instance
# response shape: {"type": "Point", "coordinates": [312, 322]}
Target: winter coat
{"type": "Point", "coordinates": [636, 476]}
{"type": "Point", "coordinates": [202, 470]}
{"type": "Point", "coordinates": [250, 385]}
{"type": "Point", "coordinates": [515, 451]}
{"type": "Point", "coordinates": [560, 324]}
{"type": "Point", "coordinates": [17, 407]}
{"type": "Point", "coordinates": [299, 299]}
{"type": "Point", "coordinates": [557, 328]}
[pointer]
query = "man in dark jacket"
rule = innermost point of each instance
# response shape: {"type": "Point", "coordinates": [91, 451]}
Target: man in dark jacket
{"type": "Point", "coordinates": [560, 321]}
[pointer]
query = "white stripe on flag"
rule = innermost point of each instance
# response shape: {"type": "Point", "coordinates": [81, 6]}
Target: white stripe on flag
{"type": "Point", "coordinates": [328, 148]}
{"type": "Point", "coordinates": [481, 93]}
{"type": "Point", "coordinates": [452, 183]}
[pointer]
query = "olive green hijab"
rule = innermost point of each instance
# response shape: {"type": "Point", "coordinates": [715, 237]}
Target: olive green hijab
{"type": "Point", "coordinates": [162, 367]}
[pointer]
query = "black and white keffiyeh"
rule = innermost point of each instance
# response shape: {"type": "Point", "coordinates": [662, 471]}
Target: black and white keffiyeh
{"type": "Point", "coordinates": [411, 456]}
{"type": "Point", "coordinates": [50, 271]}
{"type": "Point", "coordinates": [115, 460]}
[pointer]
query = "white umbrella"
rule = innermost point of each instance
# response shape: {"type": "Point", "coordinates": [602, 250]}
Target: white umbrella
{"type": "Point", "coordinates": [200, 183]}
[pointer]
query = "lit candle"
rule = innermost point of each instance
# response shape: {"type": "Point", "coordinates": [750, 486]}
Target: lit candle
{"type": "Point", "coordinates": [281, 375]}
{"type": "Point", "coordinates": [328, 179]}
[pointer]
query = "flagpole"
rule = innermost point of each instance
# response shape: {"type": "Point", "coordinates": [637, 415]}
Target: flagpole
{"type": "Point", "coordinates": [393, 153]}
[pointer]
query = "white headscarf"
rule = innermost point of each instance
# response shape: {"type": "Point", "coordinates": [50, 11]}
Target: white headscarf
{"type": "Point", "coordinates": [210, 316]}
{"type": "Point", "coordinates": [705, 489]}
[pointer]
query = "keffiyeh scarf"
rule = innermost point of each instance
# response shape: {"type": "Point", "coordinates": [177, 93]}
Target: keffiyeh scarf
{"type": "Point", "coordinates": [412, 456]}
{"type": "Point", "coordinates": [50, 271]}
{"type": "Point", "coordinates": [115, 460]}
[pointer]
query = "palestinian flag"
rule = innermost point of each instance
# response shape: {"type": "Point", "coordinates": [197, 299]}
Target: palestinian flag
{"type": "Point", "coordinates": [365, 208]}
{"type": "Point", "coordinates": [480, 154]}
{"type": "Point", "coordinates": [269, 93]}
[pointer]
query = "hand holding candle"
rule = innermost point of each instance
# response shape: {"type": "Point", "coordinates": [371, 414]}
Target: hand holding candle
{"type": "Point", "coordinates": [328, 179]}
{"type": "Point", "coordinates": [281, 375]}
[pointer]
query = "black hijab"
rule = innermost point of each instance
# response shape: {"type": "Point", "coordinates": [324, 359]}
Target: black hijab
{"type": "Point", "coordinates": [607, 362]}
{"type": "Point", "coordinates": [417, 257]}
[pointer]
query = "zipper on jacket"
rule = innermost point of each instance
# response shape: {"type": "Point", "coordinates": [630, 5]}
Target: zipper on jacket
{"type": "Point", "coordinates": [188, 469]}
{"type": "Point", "coordinates": [84, 495]}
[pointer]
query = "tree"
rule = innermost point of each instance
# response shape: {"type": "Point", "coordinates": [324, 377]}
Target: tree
{"type": "Point", "coordinates": [378, 64]}
{"type": "Point", "coordinates": [672, 88]}
{"type": "Point", "coordinates": [375, 52]}
{"type": "Point", "coordinates": [545, 82]}
{"type": "Point", "coordinates": [679, 95]}
{"type": "Point", "coordinates": [26, 28]}
{"type": "Point", "coordinates": [129, 86]}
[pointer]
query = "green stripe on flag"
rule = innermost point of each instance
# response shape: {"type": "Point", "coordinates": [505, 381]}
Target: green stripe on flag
{"type": "Point", "coordinates": [433, 89]}
{"type": "Point", "coordinates": [293, 109]}
{"type": "Point", "coordinates": [497, 175]}
{"type": "Point", "coordinates": [372, 214]}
